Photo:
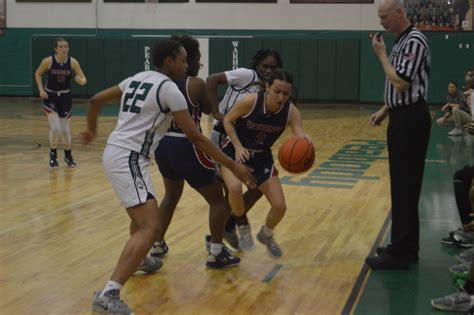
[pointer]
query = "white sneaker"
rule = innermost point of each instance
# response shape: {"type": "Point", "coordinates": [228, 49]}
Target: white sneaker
{"type": "Point", "coordinates": [110, 303]}
{"type": "Point", "coordinates": [245, 238]}
{"type": "Point", "coordinates": [273, 248]}
{"type": "Point", "coordinates": [455, 132]}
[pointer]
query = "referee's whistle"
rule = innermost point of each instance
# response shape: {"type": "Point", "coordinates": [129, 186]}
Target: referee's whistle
{"type": "Point", "coordinates": [377, 35]}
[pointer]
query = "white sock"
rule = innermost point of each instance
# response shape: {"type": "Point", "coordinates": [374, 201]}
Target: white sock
{"type": "Point", "coordinates": [216, 248]}
{"type": "Point", "coordinates": [266, 231]}
{"type": "Point", "coordinates": [111, 285]}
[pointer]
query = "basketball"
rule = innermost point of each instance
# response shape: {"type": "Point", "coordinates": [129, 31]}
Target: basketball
{"type": "Point", "coordinates": [296, 155]}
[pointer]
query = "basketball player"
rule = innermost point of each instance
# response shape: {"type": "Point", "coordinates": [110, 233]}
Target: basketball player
{"type": "Point", "coordinates": [57, 99]}
{"type": "Point", "coordinates": [252, 126]}
{"type": "Point", "coordinates": [145, 101]}
{"type": "Point", "coordinates": [240, 82]}
{"type": "Point", "coordinates": [179, 160]}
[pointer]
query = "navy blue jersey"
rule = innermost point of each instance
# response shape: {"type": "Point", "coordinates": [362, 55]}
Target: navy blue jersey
{"type": "Point", "coordinates": [258, 130]}
{"type": "Point", "coordinates": [59, 76]}
{"type": "Point", "coordinates": [194, 109]}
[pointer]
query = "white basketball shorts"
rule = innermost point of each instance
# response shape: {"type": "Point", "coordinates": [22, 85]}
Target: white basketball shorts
{"type": "Point", "coordinates": [128, 172]}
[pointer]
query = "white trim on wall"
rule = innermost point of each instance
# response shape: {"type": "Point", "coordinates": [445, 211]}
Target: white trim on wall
{"type": "Point", "coordinates": [282, 15]}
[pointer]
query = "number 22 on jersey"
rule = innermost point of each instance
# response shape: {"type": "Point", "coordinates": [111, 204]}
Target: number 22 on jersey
{"type": "Point", "coordinates": [133, 100]}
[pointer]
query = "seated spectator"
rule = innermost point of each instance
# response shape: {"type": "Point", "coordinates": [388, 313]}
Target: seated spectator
{"type": "Point", "coordinates": [461, 301]}
{"type": "Point", "coordinates": [464, 115]}
{"type": "Point", "coordinates": [457, 112]}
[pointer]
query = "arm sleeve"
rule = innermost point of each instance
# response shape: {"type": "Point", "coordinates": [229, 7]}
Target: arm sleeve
{"type": "Point", "coordinates": [412, 55]}
{"type": "Point", "coordinates": [172, 98]}
{"type": "Point", "coordinates": [240, 77]}
{"type": "Point", "coordinates": [123, 85]}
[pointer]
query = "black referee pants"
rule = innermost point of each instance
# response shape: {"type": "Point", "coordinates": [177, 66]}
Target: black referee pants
{"type": "Point", "coordinates": [408, 135]}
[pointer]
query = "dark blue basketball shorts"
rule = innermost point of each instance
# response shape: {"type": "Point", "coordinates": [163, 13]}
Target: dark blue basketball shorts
{"type": "Point", "coordinates": [178, 159]}
{"type": "Point", "coordinates": [261, 162]}
{"type": "Point", "coordinates": [59, 103]}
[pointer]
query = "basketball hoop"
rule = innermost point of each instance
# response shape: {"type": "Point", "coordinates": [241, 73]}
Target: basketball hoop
{"type": "Point", "coordinates": [151, 5]}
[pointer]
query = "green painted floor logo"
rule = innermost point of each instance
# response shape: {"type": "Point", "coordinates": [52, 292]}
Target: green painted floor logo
{"type": "Point", "coordinates": [345, 168]}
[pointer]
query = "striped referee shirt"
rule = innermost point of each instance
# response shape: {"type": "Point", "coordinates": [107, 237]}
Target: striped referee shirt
{"type": "Point", "coordinates": [412, 60]}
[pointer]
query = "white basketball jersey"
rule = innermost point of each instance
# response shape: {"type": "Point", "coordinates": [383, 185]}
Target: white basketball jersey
{"type": "Point", "coordinates": [241, 82]}
{"type": "Point", "coordinates": [143, 119]}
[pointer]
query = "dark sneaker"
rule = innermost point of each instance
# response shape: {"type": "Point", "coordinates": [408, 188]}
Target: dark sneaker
{"type": "Point", "coordinates": [70, 162]}
{"type": "Point", "coordinates": [159, 249]}
{"type": "Point", "coordinates": [272, 247]}
{"type": "Point", "coordinates": [464, 239]}
{"type": "Point", "coordinates": [53, 162]}
{"type": "Point", "coordinates": [110, 303]}
{"type": "Point", "coordinates": [471, 311]}
{"type": "Point", "coordinates": [150, 264]}
{"type": "Point", "coordinates": [224, 260]}
{"type": "Point", "coordinates": [411, 258]}
{"type": "Point", "coordinates": [232, 239]}
{"type": "Point", "coordinates": [458, 302]}
{"type": "Point", "coordinates": [385, 261]}
{"type": "Point", "coordinates": [449, 241]}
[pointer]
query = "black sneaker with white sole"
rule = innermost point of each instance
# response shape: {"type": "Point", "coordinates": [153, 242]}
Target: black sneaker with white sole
{"type": "Point", "coordinates": [70, 162]}
{"type": "Point", "coordinates": [449, 241]}
{"type": "Point", "coordinates": [224, 260]}
{"type": "Point", "coordinates": [53, 158]}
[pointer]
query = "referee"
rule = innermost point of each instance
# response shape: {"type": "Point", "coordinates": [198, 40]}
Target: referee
{"type": "Point", "coordinates": [406, 91]}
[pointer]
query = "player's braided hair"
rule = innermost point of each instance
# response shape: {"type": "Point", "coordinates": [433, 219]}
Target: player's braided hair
{"type": "Point", "coordinates": [264, 53]}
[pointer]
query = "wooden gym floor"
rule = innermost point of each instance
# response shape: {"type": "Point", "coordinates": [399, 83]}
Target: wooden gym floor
{"type": "Point", "coordinates": [62, 230]}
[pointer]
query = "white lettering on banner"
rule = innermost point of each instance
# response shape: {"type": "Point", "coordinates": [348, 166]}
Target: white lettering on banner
{"type": "Point", "coordinates": [146, 65]}
{"type": "Point", "coordinates": [235, 55]}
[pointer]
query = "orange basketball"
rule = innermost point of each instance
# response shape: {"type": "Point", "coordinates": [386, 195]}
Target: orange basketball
{"type": "Point", "coordinates": [296, 155]}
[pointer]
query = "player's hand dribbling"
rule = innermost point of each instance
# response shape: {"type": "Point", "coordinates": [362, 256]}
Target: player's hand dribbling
{"type": "Point", "coordinates": [87, 136]}
{"type": "Point", "coordinates": [304, 136]}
